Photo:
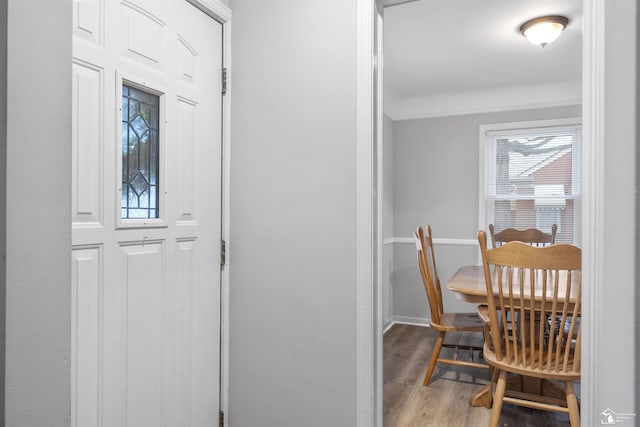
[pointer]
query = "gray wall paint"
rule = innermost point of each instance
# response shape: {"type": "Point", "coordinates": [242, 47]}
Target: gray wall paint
{"type": "Point", "coordinates": [3, 198]}
{"type": "Point", "coordinates": [615, 383]}
{"type": "Point", "coordinates": [38, 200]}
{"type": "Point", "coordinates": [293, 214]}
{"type": "Point", "coordinates": [637, 169]}
{"type": "Point", "coordinates": [435, 182]}
{"type": "Point", "coordinates": [410, 302]}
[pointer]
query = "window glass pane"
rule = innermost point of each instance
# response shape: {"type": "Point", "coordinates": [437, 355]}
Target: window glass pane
{"type": "Point", "coordinates": [533, 180]}
{"type": "Point", "coordinates": [140, 158]}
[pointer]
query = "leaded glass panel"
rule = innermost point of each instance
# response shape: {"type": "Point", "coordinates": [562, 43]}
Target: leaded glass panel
{"type": "Point", "coordinates": [140, 153]}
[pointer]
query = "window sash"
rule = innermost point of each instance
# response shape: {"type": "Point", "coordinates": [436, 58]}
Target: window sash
{"type": "Point", "coordinates": [517, 204]}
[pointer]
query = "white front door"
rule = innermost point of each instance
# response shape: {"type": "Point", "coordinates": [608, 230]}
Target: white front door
{"type": "Point", "coordinates": [146, 214]}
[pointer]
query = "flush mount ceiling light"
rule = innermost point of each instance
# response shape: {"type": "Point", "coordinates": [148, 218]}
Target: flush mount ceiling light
{"type": "Point", "coordinates": [543, 30]}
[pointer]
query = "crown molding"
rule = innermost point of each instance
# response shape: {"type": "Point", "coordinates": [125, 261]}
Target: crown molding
{"type": "Point", "coordinates": [485, 101]}
{"type": "Point", "coordinates": [389, 3]}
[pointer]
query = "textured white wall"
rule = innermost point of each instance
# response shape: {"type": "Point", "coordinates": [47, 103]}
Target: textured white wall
{"type": "Point", "coordinates": [293, 214]}
{"type": "Point", "coordinates": [38, 270]}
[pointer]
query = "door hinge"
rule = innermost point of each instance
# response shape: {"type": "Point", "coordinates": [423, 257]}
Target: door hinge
{"type": "Point", "coordinates": [224, 81]}
{"type": "Point", "coordinates": [221, 419]}
{"type": "Point", "coordinates": [223, 252]}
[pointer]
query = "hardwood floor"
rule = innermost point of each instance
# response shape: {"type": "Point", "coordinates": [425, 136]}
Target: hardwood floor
{"type": "Point", "coordinates": [445, 402]}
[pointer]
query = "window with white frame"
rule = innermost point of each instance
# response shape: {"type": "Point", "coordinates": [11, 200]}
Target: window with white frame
{"type": "Point", "coordinates": [530, 177]}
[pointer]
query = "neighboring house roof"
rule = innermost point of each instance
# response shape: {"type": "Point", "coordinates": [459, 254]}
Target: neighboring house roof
{"type": "Point", "coordinates": [536, 162]}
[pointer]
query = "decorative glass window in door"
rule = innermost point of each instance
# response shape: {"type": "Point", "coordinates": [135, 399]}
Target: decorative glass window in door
{"type": "Point", "coordinates": [140, 153]}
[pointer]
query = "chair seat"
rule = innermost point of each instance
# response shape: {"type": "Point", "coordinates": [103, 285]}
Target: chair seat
{"type": "Point", "coordinates": [470, 322]}
{"type": "Point", "coordinates": [544, 370]}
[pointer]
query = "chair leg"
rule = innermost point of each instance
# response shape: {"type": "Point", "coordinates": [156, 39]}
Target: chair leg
{"type": "Point", "coordinates": [493, 374]}
{"type": "Point", "coordinates": [434, 358]}
{"type": "Point", "coordinates": [497, 399]}
{"type": "Point", "coordinates": [572, 404]}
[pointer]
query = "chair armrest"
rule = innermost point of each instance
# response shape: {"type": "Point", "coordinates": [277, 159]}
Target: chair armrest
{"type": "Point", "coordinates": [483, 312]}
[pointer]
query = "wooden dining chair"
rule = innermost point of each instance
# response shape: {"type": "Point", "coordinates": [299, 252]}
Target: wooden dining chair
{"type": "Point", "coordinates": [536, 284]}
{"type": "Point", "coordinates": [532, 236]}
{"type": "Point", "coordinates": [441, 321]}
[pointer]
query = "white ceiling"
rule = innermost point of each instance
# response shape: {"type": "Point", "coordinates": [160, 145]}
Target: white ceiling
{"type": "Point", "coordinates": [446, 57]}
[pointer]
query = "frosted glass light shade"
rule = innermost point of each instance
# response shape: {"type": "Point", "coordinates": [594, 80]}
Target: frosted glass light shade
{"type": "Point", "coordinates": [542, 31]}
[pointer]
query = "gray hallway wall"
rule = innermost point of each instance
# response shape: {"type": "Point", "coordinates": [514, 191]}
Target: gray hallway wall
{"type": "Point", "coordinates": [293, 214]}
{"type": "Point", "coordinates": [38, 214]}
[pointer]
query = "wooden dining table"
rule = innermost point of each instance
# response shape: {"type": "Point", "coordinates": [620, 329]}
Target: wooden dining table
{"type": "Point", "coordinates": [468, 283]}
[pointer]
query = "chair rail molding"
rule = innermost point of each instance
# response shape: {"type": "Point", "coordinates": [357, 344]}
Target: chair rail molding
{"type": "Point", "coordinates": [439, 241]}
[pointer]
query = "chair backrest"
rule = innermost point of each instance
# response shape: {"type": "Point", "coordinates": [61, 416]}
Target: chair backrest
{"type": "Point", "coordinates": [533, 236]}
{"type": "Point", "coordinates": [538, 286]}
{"type": "Point", "coordinates": [429, 272]}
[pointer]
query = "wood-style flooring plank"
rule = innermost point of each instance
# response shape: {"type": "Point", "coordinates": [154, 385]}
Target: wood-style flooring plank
{"type": "Point", "coordinates": [445, 402]}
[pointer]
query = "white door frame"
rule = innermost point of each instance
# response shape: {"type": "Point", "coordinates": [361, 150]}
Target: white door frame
{"type": "Point", "coordinates": [369, 226]}
{"type": "Point", "coordinates": [379, 314]}
{"type": "Point", "coordinates": [369, 331]}
{"type": "Point", "coordinates": [593, 174]}
{"type": "Point", "coordinates": [221, 13]}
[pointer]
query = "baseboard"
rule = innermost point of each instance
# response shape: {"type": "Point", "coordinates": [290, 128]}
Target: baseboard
{"type": "Point", "coordinates": [405, 320]}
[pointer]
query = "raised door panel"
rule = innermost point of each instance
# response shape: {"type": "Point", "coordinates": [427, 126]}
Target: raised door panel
{"type": "Point", "coordinates": [143, 32]}
{"type": "Point", "coordinates": [187, 58]}
{"type": "Point", "coordinates": [185, 321]}
{"type": "Point", "coordinates": [144, 343]}
{"type": "Point", "coordinates": [184, 158]}
{"type": "Point", "coordinates": [88, 20]}
{"type": "Point", "coordinates": [86, 333]}
{"type": "Point", "coordinates": [88, 141]}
